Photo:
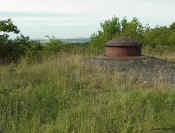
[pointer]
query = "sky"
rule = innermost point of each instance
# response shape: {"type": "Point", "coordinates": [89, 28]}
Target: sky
{"type": "Point", "coordinates": [81, 18]}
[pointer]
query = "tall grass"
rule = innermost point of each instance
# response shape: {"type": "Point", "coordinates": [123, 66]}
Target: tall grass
{"type": "Point", "coordinates": [63, 94]}
{"type": "Point", "coordinates": [166, 52]}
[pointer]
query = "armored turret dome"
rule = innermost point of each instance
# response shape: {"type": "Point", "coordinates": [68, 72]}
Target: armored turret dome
{"type": "Point", "coordinates": [122, 41]}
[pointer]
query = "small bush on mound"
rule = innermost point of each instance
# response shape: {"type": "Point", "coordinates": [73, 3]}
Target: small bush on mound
{"type": "Point", "coordinates": [53, 45]}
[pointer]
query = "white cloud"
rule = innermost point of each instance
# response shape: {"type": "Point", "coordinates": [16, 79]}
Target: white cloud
{"type": "Point", "coordinates": [105, 7]}
{"type": "Point", "coordinates": [50, 14]}
{"type": "Point", "coordinates": [61, 6]}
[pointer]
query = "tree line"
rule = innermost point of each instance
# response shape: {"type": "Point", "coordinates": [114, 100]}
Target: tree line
{"type": "Point", "coordinates": [11, 50]}
{"type": "Point", "coordinates": [159, 36]}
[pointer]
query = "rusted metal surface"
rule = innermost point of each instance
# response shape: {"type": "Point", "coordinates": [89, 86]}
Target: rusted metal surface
{"type": "Point", "coordinates": [122, 47]}
{"type": "Point", "coordinates": [122, 41]}
{"type": "Point", "coordinates": [123, 51]}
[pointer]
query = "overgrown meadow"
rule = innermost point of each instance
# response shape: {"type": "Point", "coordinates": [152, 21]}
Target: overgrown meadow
{"type": "Point", "coordinates": [52, 89]}
{"type": "Point", "coordinates": [62, 94]}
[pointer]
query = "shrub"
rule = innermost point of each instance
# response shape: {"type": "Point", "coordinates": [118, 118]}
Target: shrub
{"type": "Point", "coordinates": [53, 45]}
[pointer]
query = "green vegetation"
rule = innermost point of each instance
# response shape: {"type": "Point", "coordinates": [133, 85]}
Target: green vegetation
{"type": "Point", "coordinates": [64, 95]}
{"type": "Point", "coordinates": [13, 50]}
{"type": "Point", "coordinates": [158, 37]}
{"type": "Point", "coordinates": [50, 89]}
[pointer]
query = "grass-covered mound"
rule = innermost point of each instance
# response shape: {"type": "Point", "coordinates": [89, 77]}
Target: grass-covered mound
{"type": "Point", "coordinates": [64, 95]}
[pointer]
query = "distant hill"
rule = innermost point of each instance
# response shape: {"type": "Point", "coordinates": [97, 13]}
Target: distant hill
{"type": "Point", "coordinates": [76, 40]}
{"type": "Point", "coordinates": [69, 40]}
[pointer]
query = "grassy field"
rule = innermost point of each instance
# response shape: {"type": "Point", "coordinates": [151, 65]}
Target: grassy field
{"type": "Point", "coordinates": [64, 95]}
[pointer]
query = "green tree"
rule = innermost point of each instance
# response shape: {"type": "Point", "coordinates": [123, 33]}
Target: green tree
{"type": "Point", "coordinates": [157, 37]}
{"type": "Point", "coordinates": [12, 50]}
{"type": "Point", "coordinates": [109, 28]}
{"type": "Point", "coordinates": [116, 28]}
{"type": "Point", "coordinates": [7, 26]}
{"type": "Point", "coordinates": [171, 39]}
{"type": "Point", "coordinates": [172, 27]}
{"type": "Point", "coordinates": [160, 36]}
{"type": "Point", "coordinates": [124, 23]}
{"type": "Point", "coordinates": [133, 29]}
